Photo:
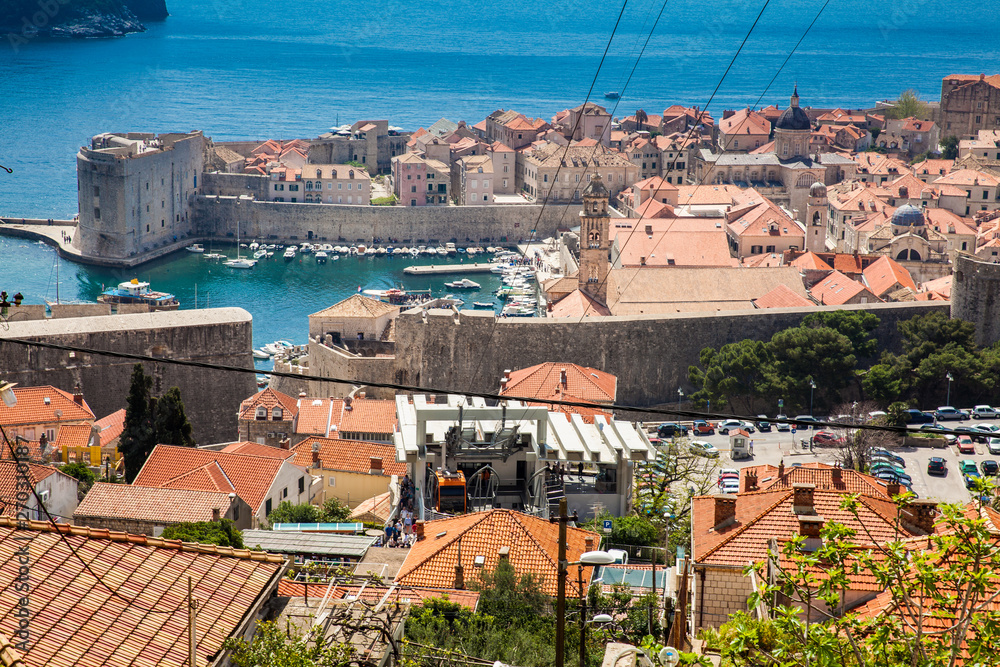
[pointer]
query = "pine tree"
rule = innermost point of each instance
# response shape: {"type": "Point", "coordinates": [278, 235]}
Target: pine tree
{"type": "Point", "coordinates": [171, 424]}
{"type": "Point", "coordinates": [138, 436]}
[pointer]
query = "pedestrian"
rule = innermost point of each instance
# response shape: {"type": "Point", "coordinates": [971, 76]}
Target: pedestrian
{"type": "Point", "coordinates": [579, 470]}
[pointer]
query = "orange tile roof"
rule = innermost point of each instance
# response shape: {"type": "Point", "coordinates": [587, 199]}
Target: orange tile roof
{"type": "Point", "coordinates": [819, 474]}
{"type": "Point", "coordinates": [140, 503]}
{"type": "Point", "coordinates": [9, 478]}
{"type": "Point", "coordinates": [836, 289]}
{"type": "Point", "coordinates": [885, 275]}
{"type": "Point", "coordinates": [357, 305]}
{"type": "Point", "coordinates": [111, 426]}
{"type": "Point", "coordinates": [764, 218]}
{"type": "Point", "coordinates": [766, 259]}
{"type": "Point", "coordinates": [782, 297]}
{"type": "Point", "coordinates": [745, 121]}
{"type": "Point", "coordinates": [314, 416]}
{"type": "Point", "coordinates": [374, 593]}
{"type": "Point", "coordinates": [74, 435]}
{"type": "Point", "coordinates": [377, 508]}
{"type": "Point", "coordinates": [968, 177]}
{"type": "Point", "coordinates": [200, 469]}
{"type": "Point", "coordinates": [810, 260]}
{"type": "Point", "coordinates": [545, 381]}
{"type": "Point", "coordinates": [31, 407]}
{"type": "Point", "coordinates": [77, 621]}
{"type": "Point", "coordinates": [257, 449]}
{"type": "Point", "coordinates": [365, 415]}
{"type": "Point", "coordinates": [348, 455]}
{"type": "Point", "coordinates": [578, 304]}
{"type": "Point", "coordinates": [533, 544]}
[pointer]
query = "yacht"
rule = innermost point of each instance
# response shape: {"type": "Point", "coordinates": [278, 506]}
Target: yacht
{"type": "Point", "coordinates": [449, 249]}
{"type": "Point", "coordinates": [240, 263]}
{"type": "Point", "coordinates": [260, 254]}
{"type": "Point", "coordinates": [195, 247]}
{"type": "Point", "coordinates": [464, 283]}
{"type": "Point", "coordinates": [321, 257]}
{"type": "Point", "coordinates": [133, 291]}
{"type": "Point", "coordinates": [289, 253]}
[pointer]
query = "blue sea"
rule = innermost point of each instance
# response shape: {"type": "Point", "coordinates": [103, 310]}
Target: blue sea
{"type": "Point", "coordinates": [250, 69]}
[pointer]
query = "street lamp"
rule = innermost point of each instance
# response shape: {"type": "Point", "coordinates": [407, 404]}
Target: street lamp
{"type": "Point", "coordinates": [586, 558]}
{"type": "Point", "coordinates": [680, 395]}
{"type": "Point", "coordinates": [7, 393]}
{"type": "Point", "coordinates": [947, 401]}
{"type": "Point", "coordinates": [599, 618]}
{"type": "Point", "coordinates": [812, 388]}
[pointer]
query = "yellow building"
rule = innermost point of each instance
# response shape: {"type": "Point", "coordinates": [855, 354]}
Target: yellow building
{"type": "Point", "coordinates": [349, 470]}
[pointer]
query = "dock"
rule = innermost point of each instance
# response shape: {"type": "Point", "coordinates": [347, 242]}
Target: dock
{"type": "Point", "coordinates": [437, 269]}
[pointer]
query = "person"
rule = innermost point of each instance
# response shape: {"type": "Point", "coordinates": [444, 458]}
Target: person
{"type": "Point", "coordinates": [407, 522]}
{"type": "Point", "coordinates": [579, 470]}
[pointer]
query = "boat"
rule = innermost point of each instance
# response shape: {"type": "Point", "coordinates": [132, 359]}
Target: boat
{"type": "Point", "coordinates": [321, 257]}
{"type": "Point", "coordinates": [353, 250]}
{"type": "Point", "coordinates": [213, 255]}
{"type": "Point", "coordinates": [260, 254]}
{"type": "Point", "coordinates": [327, 248]}
{"type": "Point", "coordinates": [498, 268]}
{"type": "Point", "coordinates": [334, 257]}
{"type": "Point", "coordinates": [414, 252]}
{"type": "Point", "coordinates": [471, 251]}
{"type": "Point", "coordinates": [289, 253]}
{"type": "Point", "coordinates": [482, 304]}
{"type": "Point", "coordinates": [254, 245]}
{"type": "Point", "coordinates": [369, 251]}
{"type": "Point", "coordinates": [240, 263]}
{"type": "Point", "coordinates": [450, 249]}
{"type": "Point", "coordinates": [362, 248]}
{"type": "Point", "coordinates": [195, 247]}
{"type": "Point", "coordinates": [464, 283]}
{"type": "Point", "coordinates": [305, 248]}
{"type": "Point", "coordinates": [133, 291]}
{"type": "Point", "coordinates": [380, 250]}
{"type": "Point", "coordinates": [613, 95]}
{"type": "Point", "coordinates": [261, 354]}
{"type": "Point", "coordinates": [441, 250]}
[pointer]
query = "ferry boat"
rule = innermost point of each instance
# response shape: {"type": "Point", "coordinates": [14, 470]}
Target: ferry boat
{"type": "Point", "coordinates": [134, 291]}
{"type": "Point", "coordinates": [613, 95]}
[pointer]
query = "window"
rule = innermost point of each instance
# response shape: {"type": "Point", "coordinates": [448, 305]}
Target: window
{"type": "Point", "coordinates": [979, 119]}
{"type": "Point", "coordinates": [965, 245]}
{"type": "Point", "coordinates": [486, 184]}
{"type": "Point", "coordinates": [340, 186]}
{"type": "Point", "coordinates": [331, 481]}
{"type": "Point", "coordinates": [293, 187]}
{"type": "Point", "coordinates": [545, 178]}
{"type": "Point", "coordinates": [409, 176]}
{"type": "Point", "coordinates": [97, 191]}
{"type": "Point", "coordinates": [413, 188]}
{"type": "Point", "coordinates": [302, 484]}
{"type": "Point", "coordinates": [267, 507]}
{"type": "Point", "coordinates": [986, 194]}
{"type": "Point", "coordinates": [147, 226]}
{"type": "Point", "coordinates": [163, 223]}
{"type": "Point", "coordinates": [329, 186]}
{"type": "Point", "coordinates": [284, 492]}
{"type": "Point", "coordinates": [473, 183]}
{"type": "Point", "coordinates": [97, 214]}
{"type": "Point", "coordinates": [486, 198]}
{"type": "Point", "coordinates": [350, 199]}
{"type": "Point", "coordinates": [276, 413]}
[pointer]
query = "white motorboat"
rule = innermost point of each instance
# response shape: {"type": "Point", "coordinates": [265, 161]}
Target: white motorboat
{"type": "Point", "coordinates": [471, 251]}
{"type": "Point", "coordinates": [321, 257]}
{"type": "Point", "coordinates": [327, 248]}
{"type": "Point", "coordinates": [195, 247]}
{"type": "Point", "coordinates": [305, 248]}
{"type": "Point", "coordinates": [414, 252]}
{"type": "Point", "coordinates": [362, 248]}
{"type": "Point", "coordinates": [260, 254]}
{"type": "Point", "coordinates": [380, 250]}
{"type": "Point", "coordinates": [449, 249]}
{"type": "Point", "coordinates": [213, 255]}
{"type": "Point", "coordinates": [369, 251]}
{"type": "Point", "coordinates": [334, 257]}
{"type": "Point", "coordinates": [240, 263]}
{"type": "Point", "coordinates": [261, 354]}
{"type": "Point", "coordinates": [353, 250]}
{"type": "Point", "coordinates": [254, 245]}
{"type": "Point", "coordinates": [464, 283]}
{"type": "Point", "coordinates": [289, 253]}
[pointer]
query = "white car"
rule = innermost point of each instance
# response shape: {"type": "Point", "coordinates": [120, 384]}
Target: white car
{"type": "Point", "coordinates": [702, 448]}
{"type": "Point", "coordinates": [728, 425]}
{"type": "Point", "coordinates": [730, 486]}
{"type": "Point", "coordinates": [985, 412]}
{"type": "Point", "coordinates": [994, 445]}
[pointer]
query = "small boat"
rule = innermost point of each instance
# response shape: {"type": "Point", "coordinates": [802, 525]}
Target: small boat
{"type": "Point", "coordinates": [362, 248]}
{"type": "Point", "coordinates": [213, 255]}
{"type": "Point", "coordinates": [327, 248]}
{"type": "Point", "coordinates": [133, 291]}
{"type": "Point", "coordinates": [613, 95]}
{"type": "Point", "coordinates": [260, 254]}
{"type": "Point", "coordinates": [254, 245]}
{"type": "Point", "coordinates": [195, 247]}
{"type": "Point", "coordinates": [449, 249]}
{"type": "Point", "coordinates": [498, 268]}
{"type": "Point", "coordinates": [380, 250]}
{"type": "Point", "coordinates": [369, 251]}
{"type": "Point", "coordinates": [414, 252]}
{"type": "Point", "coordinates": [305, 248]}
{"type": "Point", "coordinates": [471, 251]}
{"type": "Point", "coordinates": [334, 257]}
{"type": "Point", "coordinates": [240, 263]}
{"type": "Point", "coordinates": [289, 253]}
{"type": "Point", "coordinates": [321, 257]}
{"type": "Point", "coordinates": [464, 283]}
{"type": "Point", "coordinates": [261, 354]}
{"type": "Point", "coordinates": [269, 254]}
{"type": "Point", "coordinates": [482, 304]}
{"type": "Point", "coordinates": [440, 250]}
{"type": "Point", "coordinates": [353, 250]}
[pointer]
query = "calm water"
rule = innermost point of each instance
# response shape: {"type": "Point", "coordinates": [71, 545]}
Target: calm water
{"type": "Point", "coordinates": [253, 69]}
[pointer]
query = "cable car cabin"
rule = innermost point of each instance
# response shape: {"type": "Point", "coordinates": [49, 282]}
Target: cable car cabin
{"type": "Point", "coordinates": [450, 494]}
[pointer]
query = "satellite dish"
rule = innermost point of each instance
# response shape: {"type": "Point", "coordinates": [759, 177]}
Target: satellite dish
{"type": "Point", "coordinates": [669, 656]}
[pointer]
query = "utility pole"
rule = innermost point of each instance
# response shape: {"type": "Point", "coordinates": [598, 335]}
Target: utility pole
{"type": "Point", "coordinates": [561, 589]}
{"type": "Point", "coordinates": [681, 611]}
{"type": "Point", "coordinates": [192, 625]}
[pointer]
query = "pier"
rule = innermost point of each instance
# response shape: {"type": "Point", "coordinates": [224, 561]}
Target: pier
{"type": "Point", "coordinates": [435, 269]}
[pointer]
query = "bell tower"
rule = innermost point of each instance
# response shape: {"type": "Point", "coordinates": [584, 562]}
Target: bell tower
{"type": "Point", "coordinates": [595, 246]}
{"type": "Point", "coordinates": [817, 211]}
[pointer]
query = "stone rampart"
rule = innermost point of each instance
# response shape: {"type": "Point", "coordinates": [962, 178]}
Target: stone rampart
{"type": "Point", "coordinates": [649, 354]}
{"type": "Point", "coordinates": [217, 217]}
{"type": "Point", "coordinates": [331, 361]}
{"type": "Point", "coordinates": [975, 296]}
{"type": "Point", "coordinates": [216, 335]}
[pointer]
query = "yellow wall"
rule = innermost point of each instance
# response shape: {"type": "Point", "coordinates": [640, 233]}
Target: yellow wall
{"type": "Point", "coordinates": [350, 488]}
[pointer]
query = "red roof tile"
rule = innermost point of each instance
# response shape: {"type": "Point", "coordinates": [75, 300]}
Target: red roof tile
{"type": "Point", "coordinates": [810, 260]}
{"type": "Point", "coordinates": [545, 381]}
{"type": "Point", "coordinates": [836, 289]}
{"type": "Point", "coordinates": [257, 449]}
{"type": "Point", "coordinates": [160, 506]}
{"type": "Point", "coordinates": [74, 435]}
{"type": "Point", "coordinates": [111, 426]}
{"type": "Point", "coordinates": [9, 478]}
{"type": "Point", "coordinates": [782, 297]}
{"type": "Point", "coordinates": [373, 593]}
{"type": "Point", "coordinates": [579, 304]}
{"type": "Point", "coordinates": [533, 544]}
{"type": "Point", "coordinates": [270, 399]}
{"type": "Point", "coordinates": [348, 455]}
{"type": "Point", "coordinates": [38, 405]}
{"type": "Point", "coordinates": [885, 275]}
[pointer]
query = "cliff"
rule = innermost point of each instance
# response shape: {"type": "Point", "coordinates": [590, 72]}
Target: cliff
{"type": "Point", "coordinates": [24, 19]}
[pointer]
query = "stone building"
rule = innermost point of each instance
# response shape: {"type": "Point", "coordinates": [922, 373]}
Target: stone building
{"type": "Point", "coordinates": [136, 191]}
{"type": "Point", "coordinates": [140, 510]}
{"type": "Point", "coordinates": [267, 418]}
{"type": "Point", "coordinates": [595, 244]}
{"type": "Point", "coordinates": [373, 143]}
{"type": "Point", "coordinates": [476, 180]}
{"type": "Point", "coordinates": [555, 173]}
{"type": "Point", "coordinates": [969, 103]}
{"type": "Point", "coordinates": [355, 318]}
{"type": "Point", "coordinates": [335, 184]}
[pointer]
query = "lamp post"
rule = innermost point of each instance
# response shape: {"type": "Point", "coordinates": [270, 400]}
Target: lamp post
{"type": "Point", "coordinates": [680, 395]}
{"type": "Point", "coordinates": [599, 618]}
{"type": "Point", "coordinates": [947, 401]}
{"type": "Point", "coordinates": [587, 558]}
{"type": "Point", "coordinates": [812, 388]}
{"type": "Point", "coordinates": [7, 393]}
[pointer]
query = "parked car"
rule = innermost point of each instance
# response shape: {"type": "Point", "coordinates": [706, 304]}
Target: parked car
{"type": "Point", "coordinates": [890, 476]}
{"type": "Point", "coordinates": [973, 433]}
{"type": "Point", "coordinates": [889, 455]}
{"type": "Point", "coordinates": [994, 445]}
{"type": "Point", "coordinates": [782, 426]}
{"type": "Point", "coordinates": [808, 419]}
{"type": "Point", "coordinates": [728, 425]}
{"type": "Point", "coordinates": [763, 427]}
{"type": "Point", "coordinates": [882, 459]}
{"type": "Point", "coordinates": [748, 426]}
{"type": "Point", "coordinates": [971, 474]}
{"type": "Point", "coordinates": [989, 468]}
{"type": "Point", "coordinates": [728, 473]}
{"type": "Point", "coordinates": [967, 465]}
{"type": "Point", "coordinates": [989, 429]}
{"type": "Point", "coordinates": [985, 412]}
{"type": "Point", "coordinates": [914, 416]}
{"type": "Point", "coordinates": [731, 486]}
{"type": "Point", "coordinates": [965, 445]}
{"type": "Point", "coordinates": [670, 429]}
{"type": "Point", "coordinates": [948, 413]}
{"type": "Point", "coordinates": [895, 470]}
{"type": "Point", "coordinates": [702, 427]}
{"type": "Point", "coordinates": [937, 428]}
{"type": "Point", "coordinates": [702, 448]}
{"type": "Point", "coordinates": [937, 466]}
{"type": "Point", "coordinates": [828, 438]}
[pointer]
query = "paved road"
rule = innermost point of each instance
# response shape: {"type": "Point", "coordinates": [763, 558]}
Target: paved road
{"type": "Point", "coordinates": [772, 448]}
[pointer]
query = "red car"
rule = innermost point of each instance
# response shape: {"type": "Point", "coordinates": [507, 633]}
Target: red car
{"type": "Point", "coordinates": [828, 439]}
{"type": "Point", "coordinates": [702, 427]}
{"type": "Point", "coordinates": [965, 445]}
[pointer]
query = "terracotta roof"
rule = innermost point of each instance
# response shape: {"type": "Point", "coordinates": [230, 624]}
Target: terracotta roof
{"type": "Point", "coordinates": [941, 285]}
{"type": "Point", "coordinates": [189, 468]}
{"type": "Point", "coordinates": [376, 509]}
{"type": "Point", "coordinates": [314, 416]}
{"type": "Point", "coordinates": [357, 305]}
{"type": "Point", "coordinates": [744, 121]}
{"type": "Point", "coordinates": [765, 218]}
{"type": "Point", "coordinates": [111, 426]}
{"type": "Point", "coordinates": [578, 304]}
{"type": "Point", "coordinates": [160, 506]}
{"type": "Point", "coordinates": [533, 544]}
{"type": "Point", "coordinates": [544, 381]}
{"type": "Point", "coordinates": [782, 297]}
{"type": "Point", "coordinates": [933, 167]}
{"type": "Point", "coordinates": [32, 408]}
{"type": "Point", "coordinates": [820, 474]}
{"type": "Point", "coordinates": [836, 289]}
{"type": "Point", "coordinates": [658, 242]}
{"type": "Point", "coordinates": [348, 455]}
{"type": "Point", "coordinates": [330, 416]}
{"type": "Point", "coordinates": [885, 275]}
{"type": "Point", "coordinates": [766, 259]}
{"type": "Point", "coordinates": [257, 449]}
{"type": "Point", "coordinates": [968, 177]}
{"type": "Point", "coordinates": [8, 484]}
{"type": "Point", "coordinates": [74, 435]}
{"type": "Point", "coordinates": [77, 621]}
{"type": "Point", "coordinates": [810, 260]}
{"type": "Point", "coordinates": [373, 593]}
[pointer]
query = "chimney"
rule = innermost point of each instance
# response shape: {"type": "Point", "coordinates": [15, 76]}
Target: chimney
{"type": "Point", "coordinates": [375, 465]}
{"type": "Point", "coordinates": [285, 443]}
{"type": "Point", "coordinates": [506, 374]}
{"type": "Point", "coordinates": [548, 307]}
{"type": "Point", "coordinates": [750, 480]}
{"type": "Point", "coordinates": [459, 577]}
{"type": "Point", "coordinates": [504, 552]}
{"type": "Point", "coordinates": [216, 514]}
{"type": "Point", "coordinates": [725, 510]}
{"type": "Point", "coordinates": [810, 525]}
{"type": "Point", "coordinates": [361, 394]}
{"type": "Point", "coordinates": [418, 529]}
{"type": "Point", "coordinates": [563, 380]}
{"type": "Point", "coordinates": [781, 468]}
{"type": "Point", "coordinates": [77, 394]}
{"type": "Point", "coordinates": [347, 403]}
{"type": "Point", "coordinates": [921, 515]}
{"type": "Point", "coordinates": [892, 488]}
{"type": "Point", "coordinates": [802, 498]}
{"type": "Point", "coordinates": [315, 455]}
{"type": "Point", "coordinates": [837, 475]}
{"type": "Point", "coordinates": [302, 394]}
{"type": "Point", "coordinates": [588, 542]}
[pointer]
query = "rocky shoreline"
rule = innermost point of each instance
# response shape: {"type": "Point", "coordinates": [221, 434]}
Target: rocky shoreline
{"type": "Point", "coordinates": [71, 18]}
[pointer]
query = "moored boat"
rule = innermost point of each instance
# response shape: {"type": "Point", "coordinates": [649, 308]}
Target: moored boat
{"type": "Point", "coordinates": [195, 247]}
{"type": "Point", "coordinates": [134, 291]}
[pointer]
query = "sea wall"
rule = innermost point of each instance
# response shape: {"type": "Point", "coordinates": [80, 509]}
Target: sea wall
{"type": "Point", "coordinates": [217, 217]}
{"type": "Point", "coordinates": [649, 354]}
{"type": "Point", "coordinates": [216, 335]}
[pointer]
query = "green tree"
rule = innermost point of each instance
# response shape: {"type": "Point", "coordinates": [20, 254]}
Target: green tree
{"type": "Point", "coordinates": [908, 105]}
{"type": "Point", "coordinates": [334, 511]}
{"type": "Point", "coordinates": [81, 473]}
{"type": "Point", "coordinates": [170, 423]}
{"type": "Point", "coordinates": [286, 512]}
{"type": "Point", "coordinates": [509, 597]}
{"type": "Point", "coordinates": [882, 383]}
{"type": "Point", "coordinates": [633, 530]}
{"type": "Point", "coordinates": [737, 373]}
{"type": "Point", "coordinates": [138, 434]}
{"type": "Point", "coordinates": [274, 646]}
{"type": "Point", "coordinates": [822, 355]}
{"type": "Point", "coordinates": [222, 533]}
{"type": "Point", "coordinates": [857, 325]}
{"type": "Point", "coordinates": [949, 148]}
{"type": "Point", "coordinates": [875, 132]}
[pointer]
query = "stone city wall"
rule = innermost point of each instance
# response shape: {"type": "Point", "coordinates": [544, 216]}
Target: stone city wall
{"type": "Point", "coordinates": [649, 354]}
{"type": "Point", "coordinates": [217, 217]}
{"type": "Point", "coordinates": [216, 335]}
{"type": "Point", "coordinates": [326, 361]}
{"type": "Point", "coordinates": [975, 296]}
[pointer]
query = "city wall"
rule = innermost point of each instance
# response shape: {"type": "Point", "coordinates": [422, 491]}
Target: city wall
{"type": "Point", "coordinates": [218, 216]}
{"type": "Point", "coordinates": [649, 354]}
{"type": "Point", "coordinates": [216, 335]}
{"type": "Point", "coordinates": [326, 361]}
{"type": "Point", "coordinates": [975, 296]}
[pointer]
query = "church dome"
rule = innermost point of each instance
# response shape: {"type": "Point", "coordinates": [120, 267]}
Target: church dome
{"type": "Point", "coordinates": [817, 189]}
{"type": "Point", "coordinates": [793, 118]}
{"type": "Point", "coordinates": [596, 187]}
{"type": "Point", "coordinates": [908, 216]}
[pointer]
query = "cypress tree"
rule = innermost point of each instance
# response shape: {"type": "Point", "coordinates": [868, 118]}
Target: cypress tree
{"type": "Point", "coordinates": [138, 436]}
{"type": "Point", "coordinates": [171, 424]}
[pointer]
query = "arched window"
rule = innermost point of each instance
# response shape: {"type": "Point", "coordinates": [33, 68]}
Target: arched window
{"type": "Point", "coordinates": [319, 173]}
{"type": "Point", "coordinates": [351, 174]}
{"type": "Point", "coordinates": [335, 172]}
{"type": "Point", "coordinates": [816, 219]}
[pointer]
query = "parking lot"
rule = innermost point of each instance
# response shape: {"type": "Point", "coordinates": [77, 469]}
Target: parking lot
{"type": "Point", "coordinates": [774, 447]}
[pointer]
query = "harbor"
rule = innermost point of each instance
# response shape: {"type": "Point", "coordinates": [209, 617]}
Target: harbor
{"type": "Point", "coordinates": [439, 269]}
